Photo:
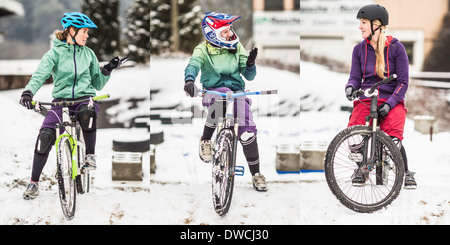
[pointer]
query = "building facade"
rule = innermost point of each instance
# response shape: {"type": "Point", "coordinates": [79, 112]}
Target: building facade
{"type": "Point", "coordinates": [276, 29]}
{"type": "Point", "coordinates": [329, 28]}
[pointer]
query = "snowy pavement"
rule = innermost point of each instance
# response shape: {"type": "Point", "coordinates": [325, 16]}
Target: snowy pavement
{"type": "Point", "coordinates": [180, 191]}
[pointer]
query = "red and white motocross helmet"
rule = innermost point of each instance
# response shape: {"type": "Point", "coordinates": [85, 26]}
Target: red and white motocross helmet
{"type": "Point", "coordinates": [214, 23]}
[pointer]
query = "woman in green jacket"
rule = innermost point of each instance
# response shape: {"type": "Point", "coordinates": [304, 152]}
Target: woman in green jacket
{"type": "Point", "coordinates": [76, 74]}
{"type": "Point", "coordinates": [222, 60]}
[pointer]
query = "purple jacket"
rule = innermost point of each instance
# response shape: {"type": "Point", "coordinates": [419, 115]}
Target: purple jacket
{"type": "Point", "coordinates": [363, 73]}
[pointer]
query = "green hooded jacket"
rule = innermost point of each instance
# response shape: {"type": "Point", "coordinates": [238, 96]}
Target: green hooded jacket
{"type": "Point", "coordinates": [219, 67]}
{"type": "Point", "coordinates": [75, 70]}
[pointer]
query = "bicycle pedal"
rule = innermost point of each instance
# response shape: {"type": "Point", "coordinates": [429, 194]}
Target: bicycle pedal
{"type": "Point", "coordinates": [239, 170]}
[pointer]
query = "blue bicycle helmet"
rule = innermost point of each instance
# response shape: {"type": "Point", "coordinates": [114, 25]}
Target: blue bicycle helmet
{"type": "Point", "coordinates": [214, 23]}
{"type": "Point", "coordinates": [78, 20]}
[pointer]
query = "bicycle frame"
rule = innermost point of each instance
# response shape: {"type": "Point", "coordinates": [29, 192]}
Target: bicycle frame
{"type": "Point", "coordinates": [69, 125]}
{"type": "Point", "coordinates": [229, 112]}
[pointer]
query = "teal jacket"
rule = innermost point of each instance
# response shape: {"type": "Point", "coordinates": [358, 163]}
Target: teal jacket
{"type": "Point", "coordinates": [219, 67]}
{"type": "Point", "coordinates": [75, 70]}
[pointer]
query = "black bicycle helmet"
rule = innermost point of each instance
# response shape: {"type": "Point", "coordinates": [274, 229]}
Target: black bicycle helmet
{"type": "Point", "coordinates": [374, 12]}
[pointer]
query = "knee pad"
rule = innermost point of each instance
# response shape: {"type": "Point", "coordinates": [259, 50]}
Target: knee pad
{"type": "Point", "coordinates": [45, 141]}
{"type": "Point", "coordinates": [87, 118]}
{"type": "Point", "coordinates": [247, 137]}
{"type": "Point", "coordinates": [250, 147]}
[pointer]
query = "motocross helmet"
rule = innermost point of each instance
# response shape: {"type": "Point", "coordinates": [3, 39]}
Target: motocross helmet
{"type": "Point", "coordinates": [214, 23]}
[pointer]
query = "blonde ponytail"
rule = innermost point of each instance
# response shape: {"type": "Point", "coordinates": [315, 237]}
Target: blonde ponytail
{"type": "Point", "coordinates": [380, 65]}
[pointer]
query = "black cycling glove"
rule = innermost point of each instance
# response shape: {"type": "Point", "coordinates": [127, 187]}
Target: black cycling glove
{"type": "Point", "coordinates": [252, 56]}
{"type": "Point", "coordinates": [349, 91]}
{"type": "Point", "coordinates": [190, 88]}
{"type": "Point", "coordinates": [113, 64]}
{"type": "Point", "coordinates": [26, 99]}
{"type": "Point", "coordinates": [384, 109]}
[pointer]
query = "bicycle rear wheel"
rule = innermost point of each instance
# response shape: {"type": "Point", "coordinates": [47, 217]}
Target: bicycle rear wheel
{"type": "Point", "coordinates": [66, 184]}
{"type": "Point", "coordinates": [382, 180]}
{"type": "Point", "coordinates": [223, 171]}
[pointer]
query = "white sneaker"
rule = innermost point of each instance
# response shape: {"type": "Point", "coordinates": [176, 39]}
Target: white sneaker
{"type": "Point", "coordinates": [259, 182]}
{"type": "Point", "coordinates": [206, 150]}
{"type": "Point", "coordinates": [90, 162]}
{"type": "Point", "coordinates": [32, 191]}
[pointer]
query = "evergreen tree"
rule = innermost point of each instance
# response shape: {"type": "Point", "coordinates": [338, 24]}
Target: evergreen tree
{"type": "Point", "coordinates": [160, 26]}
{"type": "Point", "coordinates": [189, 20]}
{"type": "Point", "coordinates": [437, 59]}
{"type": "Point", "coordinates": [105, 40]}
{"type": "Point", "coordinates": [137, 33]}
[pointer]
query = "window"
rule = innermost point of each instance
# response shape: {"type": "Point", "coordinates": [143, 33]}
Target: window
{"type": "Point", "coordinates": [296, 4]}
{"type": "Point", "coordinates": [273, 5]}
{"type": "Point", "coordinates": [409, 47]}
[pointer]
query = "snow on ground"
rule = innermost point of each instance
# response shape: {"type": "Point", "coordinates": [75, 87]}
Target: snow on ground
{"type": "Point", "coordinates": [180, 190]}
{"type": "Point", "coordinates": [428, 204]}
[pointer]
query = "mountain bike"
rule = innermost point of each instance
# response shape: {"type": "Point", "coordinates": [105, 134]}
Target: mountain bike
{"type": "Point", "coordinates": [71, 174]}
{"type": "Point", "coordinates": [368, 151]}
{"type": "Point", "coordinates": [224, 167]}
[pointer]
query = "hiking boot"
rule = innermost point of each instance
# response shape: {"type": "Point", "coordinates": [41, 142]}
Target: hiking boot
{"type": "Point", "coordinates": [259, 182]}
{"type": "Point", "coordinates": [410, 182]}
{"type": "Point", "coordinates": [90, 162]}
{"type": "Point", "coordinates": [32, 191]}
{"type": "Point", "coordinates": [206, 150]}
{"type": "Point", "coordinates": [358, 178]}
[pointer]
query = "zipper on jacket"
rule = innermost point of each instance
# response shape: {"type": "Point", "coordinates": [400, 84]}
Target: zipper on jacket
{"type": "Point", "coordinates": [75, 78]}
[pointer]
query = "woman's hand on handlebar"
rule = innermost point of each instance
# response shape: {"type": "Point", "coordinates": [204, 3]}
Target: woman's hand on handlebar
{"type": "Point", "coordinates": [26, 99]}
{"type": "Point", "coordinates": [190, 88]}
{"type": "Point", "coordinates": [349, 92]}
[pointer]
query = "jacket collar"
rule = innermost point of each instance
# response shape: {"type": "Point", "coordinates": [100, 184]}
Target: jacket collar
{"type": "Point", "coordinates": [62, 44]}
{"type": "Point", "coordinates": [215, 50]}
{"type": "Point", "coordinates": [388, 42]}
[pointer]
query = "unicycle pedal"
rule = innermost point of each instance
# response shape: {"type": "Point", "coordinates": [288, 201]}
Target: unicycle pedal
{"type": "Point", "coordinates": [239, 170]}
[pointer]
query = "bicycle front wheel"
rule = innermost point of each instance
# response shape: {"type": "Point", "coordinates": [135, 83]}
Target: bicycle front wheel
{"type": "Point", "coordinates": [66, 184]}
{"type": "Point", "coordinates": [223, 168]}
{"type": "Point", "coordinates": [380, 175]}
{"type": "Point", "coordinates": [83, 179]}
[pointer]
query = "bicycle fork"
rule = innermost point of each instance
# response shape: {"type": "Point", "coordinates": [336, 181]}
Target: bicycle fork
{"type": "Point", "coordinates": [227, 122]}
{"type": "Point", "coordinates": [370, 160]}
{"type": "Point", "coordinates": [69, 135]}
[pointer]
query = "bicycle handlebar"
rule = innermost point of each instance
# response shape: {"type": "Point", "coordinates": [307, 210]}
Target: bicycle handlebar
{"type": "Point", "coordinates": [384, 81]}
{"type": "Point", "coordinates": [235, 95]}
{"type": "Point", "coordinates": [73, 102]}
{"type": "Point", "coordinates": [372, 89]}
